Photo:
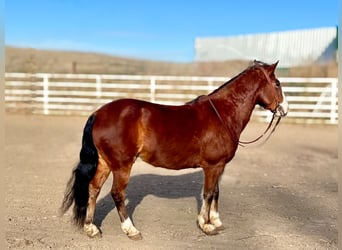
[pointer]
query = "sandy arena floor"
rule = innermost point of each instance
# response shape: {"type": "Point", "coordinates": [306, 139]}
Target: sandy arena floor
{"type": "Point", "coordinates": [282, 195]}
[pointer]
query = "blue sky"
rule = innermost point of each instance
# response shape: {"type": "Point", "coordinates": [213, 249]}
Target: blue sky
{"type": "Point", "coordinates": [153, 29]}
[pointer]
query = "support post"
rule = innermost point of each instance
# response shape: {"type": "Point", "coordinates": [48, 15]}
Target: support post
{"type": "Point", "coordinates": [333, 102]}
{"type": "Point", "coordinates": [153, 89]}
{"type": "Point", "coordinates": [46, 94]}
{"type": "Point", "coordinates": [98, 90]}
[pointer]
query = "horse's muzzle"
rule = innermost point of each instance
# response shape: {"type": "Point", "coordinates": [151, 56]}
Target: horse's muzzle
{"type": "Point", "coordinates": [282, 109]}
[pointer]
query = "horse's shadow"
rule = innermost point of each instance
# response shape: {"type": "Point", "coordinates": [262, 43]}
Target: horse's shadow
{"type": "Point", "coordinates": [164, 186]}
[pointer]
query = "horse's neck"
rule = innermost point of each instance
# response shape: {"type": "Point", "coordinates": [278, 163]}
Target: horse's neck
{"type": "Point", "coordinates": [236, 102]}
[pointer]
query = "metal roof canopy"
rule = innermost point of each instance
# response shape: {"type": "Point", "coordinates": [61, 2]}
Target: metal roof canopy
{"type": "Point", "coordinates": [291, 48]}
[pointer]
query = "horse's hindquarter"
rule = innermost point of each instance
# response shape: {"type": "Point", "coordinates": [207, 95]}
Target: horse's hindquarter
{"type": "Point", "coordinates": [116, 132]}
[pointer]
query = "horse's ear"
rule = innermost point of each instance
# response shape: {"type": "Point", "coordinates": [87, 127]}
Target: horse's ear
{"type": "Point", "coordinates": [273, 67]}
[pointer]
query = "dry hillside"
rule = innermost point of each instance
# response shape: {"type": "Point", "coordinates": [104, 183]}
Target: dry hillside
{"type": "Point", "coordinates": [34, 60]}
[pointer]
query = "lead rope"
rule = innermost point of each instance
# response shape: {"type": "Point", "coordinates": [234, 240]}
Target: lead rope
{"type": "Point", "coordinates": [245, 143]}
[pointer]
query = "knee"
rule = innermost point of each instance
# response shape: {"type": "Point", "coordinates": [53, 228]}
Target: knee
{"type": "Point", "coordinates": [117, 197]}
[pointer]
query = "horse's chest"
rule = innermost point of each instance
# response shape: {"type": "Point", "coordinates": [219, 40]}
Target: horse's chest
{"type": "Point", "coordinates": [218, 149]}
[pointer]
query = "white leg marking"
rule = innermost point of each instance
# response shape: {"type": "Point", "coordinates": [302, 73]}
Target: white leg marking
{"type": "Point", "coordinates": [130, 230]}
{"type": "Point", "coordinates": [200, 220]}
{"type": "Point", "coordinates": [206, 228]}
{"type": "Point", "coordinates": [209, 229]}
{"type": "Point", "coordinates": [215, 219]}
{"type": "Point", "coordinates": [91, 230]}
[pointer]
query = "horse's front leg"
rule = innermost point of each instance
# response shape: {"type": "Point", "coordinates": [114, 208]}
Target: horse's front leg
{"type": "Point", "coordinates": [208, 220]}
{"type": "Point", "coordinates": [214, 214]}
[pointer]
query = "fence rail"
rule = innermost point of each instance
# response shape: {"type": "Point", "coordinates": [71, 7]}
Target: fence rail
{"type": "Point", "coordinates": [310, 99]}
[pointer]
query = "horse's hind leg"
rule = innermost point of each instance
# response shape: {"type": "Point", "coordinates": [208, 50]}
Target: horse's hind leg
{"type": "Point", "coordinates": [121, 178]}
{"type": "Point", "coordinates": [95, 186]}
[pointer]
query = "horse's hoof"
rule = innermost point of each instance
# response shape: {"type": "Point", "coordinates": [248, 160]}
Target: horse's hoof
{"type": "Point", "coordinates": [137, 236]}
{"type": "Point", "coordinates": [209, 229]}
{"type": "Point", "coordinates": [95, 235]}
{"type": "Point", "coordinates": [92, 231]}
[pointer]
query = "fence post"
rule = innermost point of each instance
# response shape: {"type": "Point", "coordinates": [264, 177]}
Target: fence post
{"type": "Point", "coordinates": [153, 89]}
{"type": "Point", "coordinates": [210, 86]}
{"type": "Point", "coordinates": [333, 100]}
{"type": "Point", "coordinates": [46, 94]}
{"type": "Point", "coordinates": [98, 89]}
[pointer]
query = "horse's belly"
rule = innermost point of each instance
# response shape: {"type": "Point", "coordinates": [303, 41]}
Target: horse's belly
{"type": "Point", "coordinates": [170, 159]}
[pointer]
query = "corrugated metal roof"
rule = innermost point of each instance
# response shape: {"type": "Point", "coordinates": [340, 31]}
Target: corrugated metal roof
{"type": "Point", "coordinates": [291, 48]}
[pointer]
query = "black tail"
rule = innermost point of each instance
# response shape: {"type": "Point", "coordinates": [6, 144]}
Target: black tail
{"type": "Point", "coordinates": [77, 188]}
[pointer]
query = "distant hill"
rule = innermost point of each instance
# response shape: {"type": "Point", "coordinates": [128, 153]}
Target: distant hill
{"type": "Point", "coordinates": [49, 61]}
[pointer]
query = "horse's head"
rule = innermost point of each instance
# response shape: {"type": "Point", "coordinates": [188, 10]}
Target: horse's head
{"type": "Point", "coordinates": [271, 95]}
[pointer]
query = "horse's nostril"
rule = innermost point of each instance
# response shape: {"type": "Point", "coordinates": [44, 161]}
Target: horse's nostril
{"type": "Point", "coordinates": [281, 111]}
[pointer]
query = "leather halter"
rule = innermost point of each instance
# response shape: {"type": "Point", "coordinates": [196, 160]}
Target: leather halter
{"type": "Point", "coordinates": [245, 143]}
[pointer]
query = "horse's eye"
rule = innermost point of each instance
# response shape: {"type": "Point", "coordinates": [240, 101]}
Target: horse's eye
{"type": "Point", "coordinates": [277, 83]}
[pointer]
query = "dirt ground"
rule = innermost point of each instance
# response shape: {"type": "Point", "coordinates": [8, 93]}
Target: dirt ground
{"type": "Point", "coordinates": [282, 195]}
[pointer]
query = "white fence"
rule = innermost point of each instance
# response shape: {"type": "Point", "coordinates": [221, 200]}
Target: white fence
{"type": "Point", "coordinates": [310, 99]}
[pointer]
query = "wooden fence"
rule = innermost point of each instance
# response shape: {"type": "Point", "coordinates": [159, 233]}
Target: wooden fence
{"type": "Point", "coordinates": [311, 100]}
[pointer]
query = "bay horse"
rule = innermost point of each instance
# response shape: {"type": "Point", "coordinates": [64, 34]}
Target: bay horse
{"type": "Point", "coordinates": [203, 133]}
